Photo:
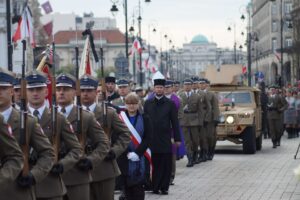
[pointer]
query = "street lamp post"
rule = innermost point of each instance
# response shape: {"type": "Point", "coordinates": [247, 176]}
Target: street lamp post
{"type": "Point", "coordinates": [9, 43]}
{"type": "Point", "coordinates": [234, 45]}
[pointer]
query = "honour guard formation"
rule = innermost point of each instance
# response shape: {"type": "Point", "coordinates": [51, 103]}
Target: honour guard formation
{"type": "Point", "coordinates": [79, 135]}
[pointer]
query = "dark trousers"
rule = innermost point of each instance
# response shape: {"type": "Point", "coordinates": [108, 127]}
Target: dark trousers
{"type": "Point", "coordinates": [162, 167]}
{"type": "Point", "coordinates": [135, 192]}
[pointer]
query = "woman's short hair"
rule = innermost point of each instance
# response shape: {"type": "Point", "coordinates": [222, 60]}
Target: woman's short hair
{"type": "Point", "coordinates": [132, 98]}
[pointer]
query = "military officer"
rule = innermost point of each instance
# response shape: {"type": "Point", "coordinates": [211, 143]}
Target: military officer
{"type": "Point", "coordinates": [123, 86]}
{"type": "Point", "coordinates": [37, 141]}
{"type": "Point", "coordinates": [104, 174]}
{"type": "Point", "coordinates": [189, 119]}
{"type": "Point", "coordinates": [66, 138]}
{"type": "Point", "coordinates": [140, 92]}
{"type": "Point", "coordinates": [276, 105]}
{"type": "Point", "coordinates": [110, 83]}
{"type": "Point", "coordinates": [211, 136]}
{"type": "Point", "coordinates": [78, 178]}
{"type": "Point", "coordinates": [10, 155]}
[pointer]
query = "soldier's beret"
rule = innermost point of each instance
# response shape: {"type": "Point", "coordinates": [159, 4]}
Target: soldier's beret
{"type": "Point", "coordinates": [88, 82]}
{"type": "Point", "coordinates": [6, 77]}
{"type": "Point", "coordinates": [110, 79]}
{"type": "Point", "coordinates": [36, 79]}
{"type": "Point", "coordinates": [65, 80]}
{"type": "Point", "coordinates": [122, 83]}
{"type": "Point", "coordinates": [161, 82]}
{"type": "Point", "coordinates": [187, 81]}
{"type": "Point", "coordinates": [169, 83]}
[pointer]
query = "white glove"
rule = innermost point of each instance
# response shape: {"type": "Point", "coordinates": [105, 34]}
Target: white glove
{"type": "Point", "coordinates": [133, 157]}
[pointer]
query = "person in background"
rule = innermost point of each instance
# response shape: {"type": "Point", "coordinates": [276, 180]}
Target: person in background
{"type": "Point", "coordinates": [298, 113]}
{"type": "Point", "coordinates": [264, 102]}
{"type": "Point", "coordinates": [132, 161]}
{"type": "Point", "coordinates": [290, 114]}
{"type": "Point", "coordinates": [110, 83]}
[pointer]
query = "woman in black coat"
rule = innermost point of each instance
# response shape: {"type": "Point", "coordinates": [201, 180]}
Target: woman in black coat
{"type": "Point", "coordinates": [132, 161]}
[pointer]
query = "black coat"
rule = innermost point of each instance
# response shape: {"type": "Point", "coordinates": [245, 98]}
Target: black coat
{"type": "Point", "coordinates": [164, 116]}
{"type": "Point", "coordinates": [146, 140]}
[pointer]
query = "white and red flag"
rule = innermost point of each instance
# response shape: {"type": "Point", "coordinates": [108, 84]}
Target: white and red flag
{"type": "Point", "coordinates": [85, 62]}
{"type": "Point", "coordinates": [25, 28]}
{"type": "Point", "coordinates": [136, 47]}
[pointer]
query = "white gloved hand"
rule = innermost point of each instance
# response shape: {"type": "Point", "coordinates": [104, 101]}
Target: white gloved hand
{"type": "Point", "coordinates": [133, 156]}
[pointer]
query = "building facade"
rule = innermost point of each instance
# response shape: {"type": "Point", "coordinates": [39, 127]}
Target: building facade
{"type": "Point", "coordinates": [266, 25]}
{"type": "Point", "coordinates": [295, 50]}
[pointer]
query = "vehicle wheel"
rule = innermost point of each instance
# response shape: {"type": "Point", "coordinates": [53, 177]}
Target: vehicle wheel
{"type": "Point", "coordinates": [249, 140]}
{"type": "Point", "coordinates": [259, 142]}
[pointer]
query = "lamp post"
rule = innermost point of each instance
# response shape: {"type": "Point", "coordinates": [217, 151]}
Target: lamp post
{"type": "Point", "coordinates": [9, 43]}
{"type": "Point", "coordinates": [234, 45]}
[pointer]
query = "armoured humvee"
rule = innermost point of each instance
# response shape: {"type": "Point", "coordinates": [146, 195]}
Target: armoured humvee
{"type": "Point", "coordinates": [240, 116]}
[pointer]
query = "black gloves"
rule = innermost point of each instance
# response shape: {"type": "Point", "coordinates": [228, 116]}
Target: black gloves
{"type": "Point", "coordinates": [57, 169]}
{"type": "Point", "coordinates": [85, 164]}
{"type": "Point", "coordinates": [110, 156]}
{"type": "Point", "coordinates": [25, 181]}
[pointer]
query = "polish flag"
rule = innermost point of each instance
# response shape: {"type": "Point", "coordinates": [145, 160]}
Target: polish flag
{"type": "Point", "coordinates": [25, 28]}
{"type": "Point", "coordinates": [136, 47]}
{"type": "Point", "coordinates": [244, 69]}
{"type": "Point", "coordinates": [85, 63]}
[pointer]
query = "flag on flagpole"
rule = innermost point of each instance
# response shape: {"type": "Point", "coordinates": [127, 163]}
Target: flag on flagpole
{"type": "Point", "coordinates": [277, 55]}
{"type": "Point", "coordinates": [25, 28]}
{"type": "Point", "coordinates": [136, 47]}
{"type": "Point", "coordinates": [48, 28]}
{"type": "Point", "coordinates": [85, 62]}
{"type": "Point", "coordinates": [47, 7]}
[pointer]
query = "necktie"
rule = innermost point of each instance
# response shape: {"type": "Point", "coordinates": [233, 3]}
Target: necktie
{"type": "Point", "coordinates": [88, 109]}
{"type": "Point", "coordinates": [63, 110]}
{"type": "Point", "coordinates": [36, 114]}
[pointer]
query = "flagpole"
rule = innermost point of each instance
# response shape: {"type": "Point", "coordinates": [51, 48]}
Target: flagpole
{"type": "Point", "coordinates": [9, 42]}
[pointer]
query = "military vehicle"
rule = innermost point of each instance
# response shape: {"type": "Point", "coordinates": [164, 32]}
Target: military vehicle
{"type": "Point", "coordinates": [240, 109]}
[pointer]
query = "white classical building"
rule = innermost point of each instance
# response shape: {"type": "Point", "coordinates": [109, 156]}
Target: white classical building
{"type": "Point", "coordinates": [194, 57]}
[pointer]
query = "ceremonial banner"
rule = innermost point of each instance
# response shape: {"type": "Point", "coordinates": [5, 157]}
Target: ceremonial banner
{"type": "Point", "coordinates": [47, 7]}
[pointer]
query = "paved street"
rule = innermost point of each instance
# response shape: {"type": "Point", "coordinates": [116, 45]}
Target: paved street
{"type": "Point", "coordinates": [232, 175]}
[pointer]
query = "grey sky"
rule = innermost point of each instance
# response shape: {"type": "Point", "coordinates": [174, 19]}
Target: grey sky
{"type": "Point", "coordinates": [179, 19]}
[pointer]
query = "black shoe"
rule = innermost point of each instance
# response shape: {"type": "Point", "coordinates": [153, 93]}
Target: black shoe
{"type": "Point", "coordinates": [155, 192]}
{"type": "Point", "coordinates": [195, 158]}
{"type": "Point", "coordinates": [164, 192]}
{"type": "Point", "coordinates": [274, 146]}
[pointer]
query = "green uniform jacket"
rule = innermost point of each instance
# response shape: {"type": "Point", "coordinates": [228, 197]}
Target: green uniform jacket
{"type": "Point", "coordinates": [214, 102]}
{"type": "Point", "coordinates": [94, 133]}
{"type": "Point", "coordinates": [119, 131]}
{"type": "Point", "coordinates": [191, 110]}
{"type": "Point", "coordinates": [41, 145]}
{"type": "Point", "coordinates": [206, 115]}
{"type": "Point", "coordinates": [52, 185]}
{"type": "Point", "coordinates": [119, 101]}
{"type": "Point", "coordinates": [11, 157]}
{"type": "Point", "coordinates": [276, 106]}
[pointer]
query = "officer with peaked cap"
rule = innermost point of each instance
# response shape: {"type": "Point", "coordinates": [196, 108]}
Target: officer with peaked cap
{"type": "Point", "coordinates": [78, 178]}
{"type": "Point", "coordinates": [52, 187]}
{"type": "Point", "coordinates": [123, 89]}
{"type": "Point", "coordinates": [104, 174]}
{"type": "Point", "coordinates": [23, 187]}
{"type": "Point", "coordinates": [110, 83]}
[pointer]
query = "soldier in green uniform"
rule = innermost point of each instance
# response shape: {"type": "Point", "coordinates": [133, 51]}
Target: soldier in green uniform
{"type": "Point", "coordinates": [68, 148]}
{"type": "Point", "coordinates": [276, 106]}
{"type": "Point", "coordinates": [10, 155]}
{"type": "Point", "coordinates": [39, 168]}
{"type": "Point", "coordinates": [211, 136]}
{"type": "Point", "coordinates": [79, 177]}
{"type": "Point", "coordinates": [104, 174]}
{"type": "Point", "coordinates": [189, 119]}
{"type": "Point", "coordinates": [123, 86]}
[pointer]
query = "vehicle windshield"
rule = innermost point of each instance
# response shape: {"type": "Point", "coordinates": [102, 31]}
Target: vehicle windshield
{"type": "Point", "coordinates": [237, 97]}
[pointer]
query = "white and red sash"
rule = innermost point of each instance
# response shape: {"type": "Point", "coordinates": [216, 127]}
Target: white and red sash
{"type": "Point", "coordinates": [135, 137]}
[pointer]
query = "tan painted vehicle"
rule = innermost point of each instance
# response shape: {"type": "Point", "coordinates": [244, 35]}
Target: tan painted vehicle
{"type": "Point", "coordinates": [240, 116]}
{"type": "Point", "coordinates": [240, 109]}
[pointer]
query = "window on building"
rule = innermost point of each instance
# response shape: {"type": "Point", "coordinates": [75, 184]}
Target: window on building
{"type": "Point", "coordinates": [274, 8]}
{"type": "Point", "coordinates": [288, 42]}
{"type": "Point", "coordinates": [274, 26]}
{"type": "Point", "coordinates": [274, 44]}
{"type": "Point", "coordinates": [288, 7]}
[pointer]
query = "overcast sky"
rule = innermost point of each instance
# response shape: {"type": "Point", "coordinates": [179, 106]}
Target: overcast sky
{"type": "Point", "coordinates": [181, 20]}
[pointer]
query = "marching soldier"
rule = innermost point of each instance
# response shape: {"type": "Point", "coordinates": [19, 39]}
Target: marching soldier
{"type": "Point", "coordinates": [39, 167]}
{"type": "Point", "coordinates": [52, 187]}
{"type": "Point", "coordinates": [78, 178]}
{"type": "Point", "coordinates": [123, 86]}
{"type": "Point", "coordinates": [276, 105]}
{"type": "Point", "coordinates": [10, 155]}
{"type": "Point", "coordinates": [110, 83]}
{"type": "Point", "coordinates": [213, 120]}
{"type": "Point", "coordinates": [189, 119]}
{"type": "Point", "coordinates": [104, 174]}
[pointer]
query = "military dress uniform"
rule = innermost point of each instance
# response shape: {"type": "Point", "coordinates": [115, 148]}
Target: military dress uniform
{"type": "Point", "coordinates": [11, 157]}
{"type": "Point", "coordinates": [189, 119]}
{"type": "Point", "coordinates": [276, 106]}
{"type": "Point", "coordinates": [104, 174]}
{"type": "Point", "coordinates": [23, 188]}
{"type": "Point", "coordinates": [79, 177]}
{"type": "Point", "coordinates": [68, 155]}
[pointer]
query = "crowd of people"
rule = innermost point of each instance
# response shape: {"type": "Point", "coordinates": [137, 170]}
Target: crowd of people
{"type": "Point", "coordinates": [127, 139]}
